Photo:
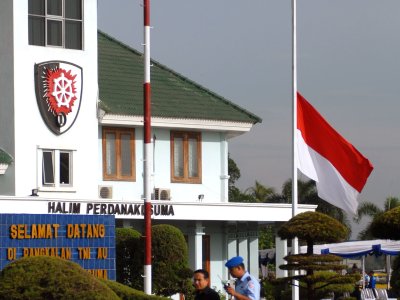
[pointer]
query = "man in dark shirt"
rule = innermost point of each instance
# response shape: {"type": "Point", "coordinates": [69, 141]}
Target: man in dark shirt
{"type": "Point", "coordinates": [201, 280]}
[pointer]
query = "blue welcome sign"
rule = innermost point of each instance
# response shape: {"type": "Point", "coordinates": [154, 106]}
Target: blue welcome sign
{"type": "Point", "coordinates": [88, 240]}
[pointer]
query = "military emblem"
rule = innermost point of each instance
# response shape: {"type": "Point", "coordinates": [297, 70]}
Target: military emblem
{"type": "Point", "coordinates": [58, 94]}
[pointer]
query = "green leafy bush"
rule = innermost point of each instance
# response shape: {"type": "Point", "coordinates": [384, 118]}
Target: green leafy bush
{"type": "Point", "coordinates": [44, 277]}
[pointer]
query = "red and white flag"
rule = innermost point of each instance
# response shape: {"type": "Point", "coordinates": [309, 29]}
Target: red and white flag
{"type": "Point", "coordinates": [323, 155]}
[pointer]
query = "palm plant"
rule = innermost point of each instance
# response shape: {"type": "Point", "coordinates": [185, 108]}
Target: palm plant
{"type": "Point", "coordinates": [308, 194]}
{"type": "Point", "coordinates": [260, 193]}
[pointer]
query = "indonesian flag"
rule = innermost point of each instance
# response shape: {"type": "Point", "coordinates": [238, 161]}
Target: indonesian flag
{"type": "Point", "coordinates": [323, 155]}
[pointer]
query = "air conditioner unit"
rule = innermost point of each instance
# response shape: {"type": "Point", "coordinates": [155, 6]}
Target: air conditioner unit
{"type": "Point", "coordinates": [162, 194]}
{"type": "Point", "coordinates": [105, 192]}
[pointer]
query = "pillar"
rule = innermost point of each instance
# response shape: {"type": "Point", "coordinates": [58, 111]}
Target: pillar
{"type": "Point", "coordinates": [280, 253]}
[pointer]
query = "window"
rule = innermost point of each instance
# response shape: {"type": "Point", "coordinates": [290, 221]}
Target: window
{"type": "Point", "coordinates": [119, 154]}
{"type": "Point", "coordinates": [56, 169]}
{"type": "Point", "coordinates": [186, 157]}
{"type": "Point", "coordinates": [57, 23]}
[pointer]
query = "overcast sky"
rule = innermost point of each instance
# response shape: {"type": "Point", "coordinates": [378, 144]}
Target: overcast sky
{"type": "Point", "coordinates": [348, 68]}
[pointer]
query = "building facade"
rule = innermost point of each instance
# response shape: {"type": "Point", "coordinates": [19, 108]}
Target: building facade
{"type": "Point", "coordinates": [71, 134]}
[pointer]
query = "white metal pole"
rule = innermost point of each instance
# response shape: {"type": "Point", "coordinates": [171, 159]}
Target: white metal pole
{"type": "Point", "coordinates": [295, 244]}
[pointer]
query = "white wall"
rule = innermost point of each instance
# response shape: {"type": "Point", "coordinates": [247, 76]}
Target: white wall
{"type": "Point", "coordinates": [30, 129]}
{"type": "Point", "coordinates": [212, 158]}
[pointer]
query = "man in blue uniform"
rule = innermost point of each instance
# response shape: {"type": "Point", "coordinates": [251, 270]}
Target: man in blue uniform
{"type": "Point", "coordinates": [246, 286]}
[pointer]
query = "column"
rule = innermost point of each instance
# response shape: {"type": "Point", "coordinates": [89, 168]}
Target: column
{"type": "Point", "coordinates": [243, 247]}
{"type": "Point", "coordinates": [198, 245]}
{"type": "Point", "coordinates": [224, 169]}
{"type": "Point", "coordinates": [195, 241]}
{"type": "Point", "coordinates": [280, 253]}
{"type": "Point", "coordinates": [253, 266]}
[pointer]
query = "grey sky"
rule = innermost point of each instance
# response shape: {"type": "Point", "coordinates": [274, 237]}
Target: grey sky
{"type": "Point", "coordinates": [348, 68]}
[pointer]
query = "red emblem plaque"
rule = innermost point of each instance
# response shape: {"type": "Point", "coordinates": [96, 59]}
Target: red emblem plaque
{"type": "Point", "coordinates": [58, 94]}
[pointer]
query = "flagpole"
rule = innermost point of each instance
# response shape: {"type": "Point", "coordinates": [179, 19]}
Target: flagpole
{"type": "Point", "coordinates": [147, 149]}
{"type": "Point", "coordinates": [295, 288]}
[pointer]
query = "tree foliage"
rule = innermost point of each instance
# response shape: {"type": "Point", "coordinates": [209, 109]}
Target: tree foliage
{"type": "Point", "coordinates": [387, 225]}
{"type": "Point", "coordinates": [44, 277]}
{"type": "Point", "coordinates": [395, 278]}
{"type": "Point", "coordinates": [266, 237]}
{"type": "Point", "coordinates": [322, 272]}
{"type": "Point", "coordinates": [369, 209]}
{"type": "Point", "coordinates": [260, 193]}
{"type": "Point", "coordinates": [308, 194]}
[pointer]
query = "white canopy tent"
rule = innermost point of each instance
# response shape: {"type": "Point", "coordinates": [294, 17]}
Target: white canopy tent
{"type": "Point", "coordinates": [359, 250]}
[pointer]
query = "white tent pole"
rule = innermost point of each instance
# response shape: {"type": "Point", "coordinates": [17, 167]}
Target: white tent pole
{"type": "Point", "coordinates": [388, 270]}
{"type": "Point", "coordinates": [363, 271]}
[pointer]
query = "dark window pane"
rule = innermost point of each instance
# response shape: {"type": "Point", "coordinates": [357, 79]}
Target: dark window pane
{"type": "Point", "coordinates": [73, 35]}
{"type": "Point", "coordinates": [73, 9]}
{"type": "Point", "coordinates": [64, 168]}
{"type": "Point", "coordinates": [36, 31]}
{"type": "Point", "coordinates": [48, 168]}
{"type": "Point", "coordinates": [36, 7]}
{"type": "Point", "coordinates": [54, 33]}
{"type": "Point", "coordinates": [126, 161]}
{"type": "Point", "coordinates": [54, 7]}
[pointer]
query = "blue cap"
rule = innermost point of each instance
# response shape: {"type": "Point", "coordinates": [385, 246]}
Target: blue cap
{"type": "Point", "coordinates": [234, 261]}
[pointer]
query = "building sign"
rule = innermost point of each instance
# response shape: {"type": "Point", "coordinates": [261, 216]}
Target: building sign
{"type": "Point", "coordinates": [86, 240]}
{"type": "Point", "coordinates": [125, 209]}
{"type": "Point", "coordinates": [58, 88]}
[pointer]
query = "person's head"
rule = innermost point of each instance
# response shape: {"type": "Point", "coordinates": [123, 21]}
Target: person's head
{"type": "Point", "coordinates": [236, 266]}
{"type": "Point", "coordinates": [371, 273]}
{"type": "Point", "coordinates": [201, 278]}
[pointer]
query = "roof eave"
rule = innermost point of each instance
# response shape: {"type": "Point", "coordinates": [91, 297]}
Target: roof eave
{"type": "Point", "coordinates": [233, 128]}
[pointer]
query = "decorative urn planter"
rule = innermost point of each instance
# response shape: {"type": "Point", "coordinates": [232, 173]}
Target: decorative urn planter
{"type": "Point", "coordinates": [5, 160]}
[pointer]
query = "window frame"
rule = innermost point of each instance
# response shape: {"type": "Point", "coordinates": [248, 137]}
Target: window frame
{"type": "Point", "coordinates": [185, 178]}
{"type": "Point", "coordinates": [56, 185]}
{"type": "Point", "coordinates": [46, 17]}
{"type": "Point", "coordinates": [118, 131]}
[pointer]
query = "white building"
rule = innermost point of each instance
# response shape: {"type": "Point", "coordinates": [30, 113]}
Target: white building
{"type": "Point", "coordinates": [71, 118]}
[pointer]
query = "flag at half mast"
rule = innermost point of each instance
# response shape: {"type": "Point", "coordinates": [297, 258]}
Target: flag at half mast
{"type": "Point", "coordinates": [338, 168]}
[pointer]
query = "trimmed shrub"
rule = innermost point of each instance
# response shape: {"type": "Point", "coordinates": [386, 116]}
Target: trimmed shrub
{"type": "Point", "coordinates": [171, 271]}
{"type": "Point", "coordinates": [129, 257]}
{"type": "Point", "coordinates": [127, 293]}
{"type": "Point", "coordinates": [322, 272]}
{"type": "Point", "coordinates": [44, 277]}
